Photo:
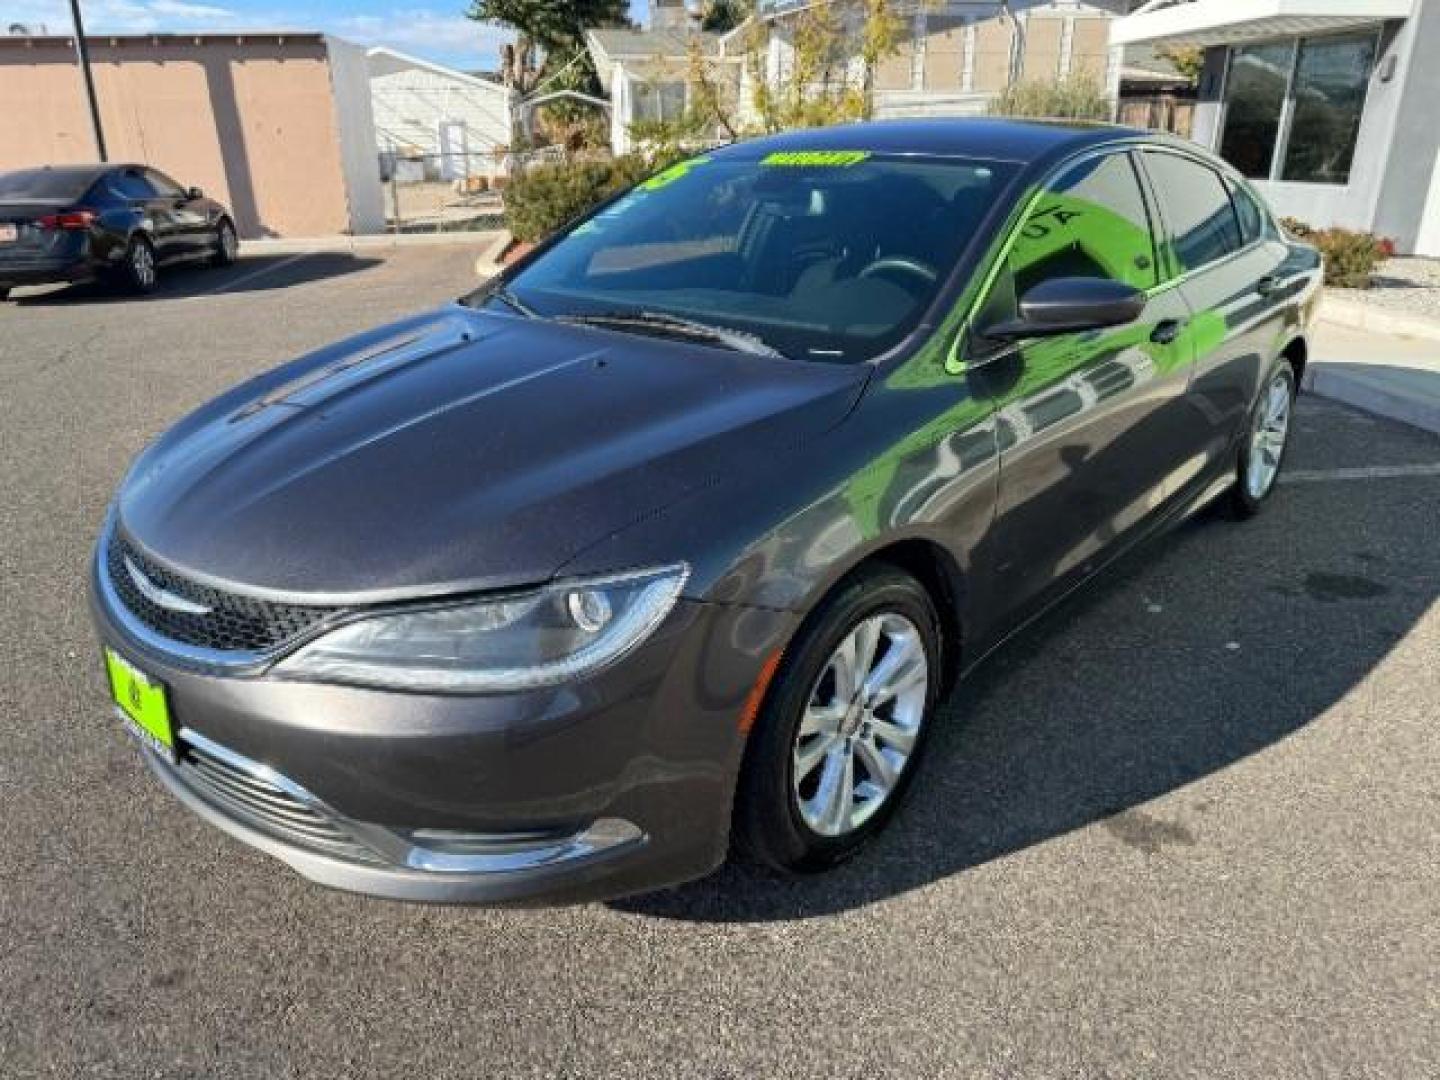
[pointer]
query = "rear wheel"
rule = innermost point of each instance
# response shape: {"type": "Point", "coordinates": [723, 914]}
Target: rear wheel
{"type": "Point", "coordinates": [1262, 453]}
{"type": "Point", "coordinates": [4, 293]}
{"type": "Point", "coordinates": [138, 273]}
{"type": "Point", "coordinates": [227, 244]}
{"type": "Point", "coordinates": [840, 736]}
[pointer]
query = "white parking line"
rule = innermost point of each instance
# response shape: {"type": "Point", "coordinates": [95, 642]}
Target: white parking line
{"type": "Point", "coordinates": [253, 274]}
{"type": "Point", "coordinates": [1372, 472]}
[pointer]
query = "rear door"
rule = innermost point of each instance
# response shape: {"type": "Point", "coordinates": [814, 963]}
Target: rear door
{"type": "Point", "coordinates": [1226, 257]}
{"type": "Point", "coordinates": [1087, 423]}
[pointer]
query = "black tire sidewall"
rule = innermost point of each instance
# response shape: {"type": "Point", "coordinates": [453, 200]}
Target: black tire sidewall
{"type": "Point", "coordinates": [1242, 502]}
{"type": "Point", "coordinates": [220, 257]}
{"type": "Point", "coordinates": [768, 822]}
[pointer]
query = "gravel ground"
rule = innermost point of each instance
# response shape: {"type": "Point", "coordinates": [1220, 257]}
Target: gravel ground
{"type": "Point", "coordinates": [1409, 284]}
{"type": "Point", "coordinates": [1188, 827]}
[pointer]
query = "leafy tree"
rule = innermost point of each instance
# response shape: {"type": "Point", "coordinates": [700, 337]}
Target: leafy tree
{"type": "Point", "coordinates": [720, 16]}
{"type": "Point", "coordinates": [1077, 97]}
{"type": "Point", "coordinates": [1188, 60]}
{"type": "Point", "coordinates": [548, 34]}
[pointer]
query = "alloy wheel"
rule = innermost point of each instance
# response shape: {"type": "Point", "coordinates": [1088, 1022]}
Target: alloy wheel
{"type": "Point", "coordinates": [142, 265]}
{"type": "Point", "coordinates": [1267, 438]}
{"type": "Point", "coordinates": [861, 723]}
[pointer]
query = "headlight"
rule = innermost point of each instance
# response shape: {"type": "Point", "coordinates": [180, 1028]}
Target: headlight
{"type": "Point", "coordinates": [541, 638]}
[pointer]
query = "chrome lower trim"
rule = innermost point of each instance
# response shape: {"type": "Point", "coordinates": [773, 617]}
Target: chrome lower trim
{"type": "Point", "coordinates": [325, 832]}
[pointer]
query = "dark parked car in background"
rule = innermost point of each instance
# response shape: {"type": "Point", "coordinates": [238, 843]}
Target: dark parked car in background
{"type": "Point", "coordinates": [121, 223]}
{"type": "Point", "coordinates": [677, 532]}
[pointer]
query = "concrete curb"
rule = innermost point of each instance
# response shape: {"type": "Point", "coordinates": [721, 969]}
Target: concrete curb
{"type": "Point", "coordinates": [379, 242]}
{"type": "Point", "coordinates": [488, 264]}
{"type": "Point", "coordinates": [1360, 316]}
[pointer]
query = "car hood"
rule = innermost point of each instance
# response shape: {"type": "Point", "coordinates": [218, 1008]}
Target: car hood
{"type": "Point", "coordinates": [458, 450]}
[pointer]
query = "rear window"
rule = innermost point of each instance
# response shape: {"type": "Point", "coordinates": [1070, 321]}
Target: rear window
{"type": "Point", "coordinates": [45, 184]}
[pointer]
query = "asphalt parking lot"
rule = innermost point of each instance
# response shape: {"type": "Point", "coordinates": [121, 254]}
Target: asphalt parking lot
{"type": "Point", "coordinates": [1189, 826]}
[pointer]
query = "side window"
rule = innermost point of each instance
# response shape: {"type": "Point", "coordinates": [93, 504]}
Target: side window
{"type": "Point", "coordinates": [130, 184]}
{"type": "Point", "coordinates": [1091, 222]}
{"type": "Point", "coordinates": [163, 184]}
{"type": "Point", "coordinates": [1252, 218]}
{"type": "Point", "coordinates": [1201, 219]}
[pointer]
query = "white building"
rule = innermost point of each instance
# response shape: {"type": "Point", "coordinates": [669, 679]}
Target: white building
{"type": "Point", "coordinates": [450, 122]}
{"type": "Point", "coordinates": [1329, 106]}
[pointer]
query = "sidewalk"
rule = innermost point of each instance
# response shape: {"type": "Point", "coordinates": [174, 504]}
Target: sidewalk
{"type": "Point", "coordinates": [482, 241]}
{"type": "Point", "coordinates": [1390, 375]}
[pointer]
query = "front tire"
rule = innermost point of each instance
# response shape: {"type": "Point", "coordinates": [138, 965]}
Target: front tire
{"type": "Point", "coordinates": [1262, 451]}
{"type": "Point", "coordinates": [227, 244]}
{"type": "Point", "coordinates": [840, 736]}
{"type": "Point", "coordinates": [138, 273]}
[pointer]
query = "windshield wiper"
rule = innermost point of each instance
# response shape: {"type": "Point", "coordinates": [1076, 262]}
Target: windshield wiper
{"type": "Point", "coordinates": [655, 322]}
{"type": "Point", "coordinates": [513, 302]}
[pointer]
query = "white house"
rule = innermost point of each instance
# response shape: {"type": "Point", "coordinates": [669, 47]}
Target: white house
{"type": "Point", "coordinates": [448, 121]}
{"type": "Point", "coordinates": [953, 56]}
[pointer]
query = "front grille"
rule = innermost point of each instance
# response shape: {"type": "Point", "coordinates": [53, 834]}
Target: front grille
{"type": "Point", "coordinates": [234, 623]}
{"type": "Point", "coordinates": [248, 795]}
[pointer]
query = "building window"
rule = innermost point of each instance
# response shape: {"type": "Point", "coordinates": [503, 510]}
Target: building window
{"type": "Point", "coordinates": [1293, 108]}
{"type": "Point", "coordinates": [659, 100]}
{"type": "Point", "coordinates": [1330, 83]}
{"type": "Point", "coordinates": [1254, 103]}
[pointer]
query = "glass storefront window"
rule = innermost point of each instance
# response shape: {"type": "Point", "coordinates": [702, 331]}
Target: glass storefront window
{"type": "Point", "coordinates": [1254, 103]}
{"type": "Point", "coordinates": [1330, 83]}
{"type": "Point", "coordinates": [1302, 99]}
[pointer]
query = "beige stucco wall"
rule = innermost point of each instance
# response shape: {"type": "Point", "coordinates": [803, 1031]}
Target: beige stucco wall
{"type": "Point", "coordinates": [250, 120]}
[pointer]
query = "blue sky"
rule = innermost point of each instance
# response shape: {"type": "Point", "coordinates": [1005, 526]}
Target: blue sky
{"type": "Point", "coordinates": [434, 29]}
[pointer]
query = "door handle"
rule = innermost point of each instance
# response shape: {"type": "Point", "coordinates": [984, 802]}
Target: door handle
{"type": "Point", "coordinates": [1267, 285]}
{"type": "Point", "coordinates": [1166, 331]}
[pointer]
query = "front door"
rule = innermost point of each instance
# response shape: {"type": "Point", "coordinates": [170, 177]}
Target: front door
{"type": "Point", "coordinates": [1089, 424]}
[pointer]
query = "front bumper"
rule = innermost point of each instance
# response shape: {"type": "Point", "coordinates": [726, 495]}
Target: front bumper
{"type": "Point", "coordinates": [616, 784]}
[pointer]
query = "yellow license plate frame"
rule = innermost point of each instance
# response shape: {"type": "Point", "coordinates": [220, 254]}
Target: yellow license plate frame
{"type": "Point", "coordinates": [142, 702]}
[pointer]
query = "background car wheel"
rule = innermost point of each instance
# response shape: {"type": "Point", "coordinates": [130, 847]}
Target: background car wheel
{"type": "Point", "coordinates": [1262, 452]}
{"type": "Point", "coordinates": [138, 272]}
{"type": "Point", "coordinates": [840, 736]}
{"type": "Point", "coordinates": [4, 293]}
{"type": "Point", "coordinates": [227, 244]}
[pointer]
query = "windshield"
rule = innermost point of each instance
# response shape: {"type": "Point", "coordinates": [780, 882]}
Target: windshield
{"type": "Point", "coordinates": [829, 256]}
{"type": "Point", "coordinates": [45, 184]}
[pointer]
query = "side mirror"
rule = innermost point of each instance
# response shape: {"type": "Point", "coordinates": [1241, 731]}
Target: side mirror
{"type": "Point", "coordinates": [194, 193]}
{"type": "Point", "coordinates": [1068, 306]}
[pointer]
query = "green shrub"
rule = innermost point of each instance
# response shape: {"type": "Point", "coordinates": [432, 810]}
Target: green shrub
{"type": "Point", "coordinates": [544, 198]}
{"type": "Point", "coordinates": [1076, 97]}
{"type": "Point", "coordinates": [1350, 256]}
{"type": "Point", "coordinates": [1300, 230]}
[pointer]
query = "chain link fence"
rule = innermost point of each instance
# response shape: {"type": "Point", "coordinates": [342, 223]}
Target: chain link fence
{"type": "Point", "coordinates": [453, 191]}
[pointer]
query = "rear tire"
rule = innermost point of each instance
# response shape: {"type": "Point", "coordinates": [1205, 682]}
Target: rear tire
{"type": "Point", "coordinates": [138, 273]}
{"type": "Point", "coordinates": [1262, 448]}
{"type": "Point", "coordinates": [227, 244]}
{"type": "Point", "coordinates": [4, 293]}
{"type": "Point", "coordinates": [822, 732]}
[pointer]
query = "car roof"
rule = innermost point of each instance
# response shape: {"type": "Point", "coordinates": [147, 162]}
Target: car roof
{"type": "Point", "coordinates": [74, 172]}
{"type": "Point", "coordinates": [989, 138]}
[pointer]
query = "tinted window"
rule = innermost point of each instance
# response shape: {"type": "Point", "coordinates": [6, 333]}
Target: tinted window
{"type": "Point", "coordinates": [1092, 222]}
{"type": "Point", "coordinates": [1198, 212]}
{"type": "Point", "coordinates": [830, 256]}
{"type": "Point", "coordinates": [1330, 83]}
{"type": "Point", "coordinates": [47, 184]}
{"type": "Point", "coordinates": [163, 184]}
{"type": "Point", "coordinates": [1255, 91]}
{"type": "Point", "coordinates": [1252, 218]}
{"type": "Point", "coordinates": [131, 185]}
